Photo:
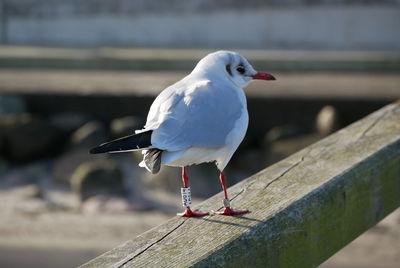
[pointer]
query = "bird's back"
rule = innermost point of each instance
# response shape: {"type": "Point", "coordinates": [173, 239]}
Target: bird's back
{"type": "Point", "coordinates": [201, 114]}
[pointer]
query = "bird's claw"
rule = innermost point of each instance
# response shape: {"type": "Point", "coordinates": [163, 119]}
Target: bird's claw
{"type": "Point", "coordinates": [189, 213]}
{"type": "Point", "coordinates": [228, 211]}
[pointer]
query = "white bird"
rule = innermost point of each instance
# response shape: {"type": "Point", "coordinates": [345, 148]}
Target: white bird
{"type": "Point", "coordinates": [201, 118]}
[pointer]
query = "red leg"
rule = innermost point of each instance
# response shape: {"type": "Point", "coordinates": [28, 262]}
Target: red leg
{"type": "Point", "coordinates": [188, 212]}
{"type": "Point", "coordinates": [227, 210]}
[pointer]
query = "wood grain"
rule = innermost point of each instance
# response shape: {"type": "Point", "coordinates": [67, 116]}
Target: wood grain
{"type": "Point", "coordinates": [303, 209]}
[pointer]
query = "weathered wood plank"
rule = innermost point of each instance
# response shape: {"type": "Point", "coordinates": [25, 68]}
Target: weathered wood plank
{"type": "Point", "coordinates": [303, 209]}
{"type": "Point", "coordinates": [144, 83]}
{"type": "Point", "coordinates": [155, 59]}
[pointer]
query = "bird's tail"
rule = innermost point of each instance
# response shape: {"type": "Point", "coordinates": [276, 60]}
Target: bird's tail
{"type": "Point", "coordinates": [152, 160]}
{"type": "Point", "coordinates": [139, 141]}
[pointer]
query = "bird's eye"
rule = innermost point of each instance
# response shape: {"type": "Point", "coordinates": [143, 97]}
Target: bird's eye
{"type": "Point", "coordinates": [240, 69]}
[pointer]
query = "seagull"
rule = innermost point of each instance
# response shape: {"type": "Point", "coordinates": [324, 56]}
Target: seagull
{"type": "Point", "coordinates": [201, 118]}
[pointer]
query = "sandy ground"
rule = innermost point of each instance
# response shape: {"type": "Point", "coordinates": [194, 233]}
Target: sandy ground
{"type": "Point", "coordinates": [53, 233]}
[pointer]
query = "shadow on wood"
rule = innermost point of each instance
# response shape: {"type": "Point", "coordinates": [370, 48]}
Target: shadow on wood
{"type": "Point", "coordinates": [303, 209]}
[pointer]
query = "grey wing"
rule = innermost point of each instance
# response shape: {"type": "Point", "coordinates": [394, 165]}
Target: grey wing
{"type": "Point", "coordinates": [201, 116]}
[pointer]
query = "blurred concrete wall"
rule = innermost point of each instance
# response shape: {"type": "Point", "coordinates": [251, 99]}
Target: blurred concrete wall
{"type": "Point", "coordinates": [332, 24]}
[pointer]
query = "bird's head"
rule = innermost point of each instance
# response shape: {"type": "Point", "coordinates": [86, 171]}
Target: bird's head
{"type": "Point", "coordinates": [230, 65]}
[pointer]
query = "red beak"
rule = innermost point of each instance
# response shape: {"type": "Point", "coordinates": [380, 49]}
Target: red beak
{"type": "Point", "coordinates": [263, 76]}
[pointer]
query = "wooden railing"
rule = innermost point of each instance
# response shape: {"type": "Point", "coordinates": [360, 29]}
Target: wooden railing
{"type": "Point", "coordinates": [303, 209]}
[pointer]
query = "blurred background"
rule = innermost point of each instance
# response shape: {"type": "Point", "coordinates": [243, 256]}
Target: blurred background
{"type": "Point", "coordinates": [74, 74]}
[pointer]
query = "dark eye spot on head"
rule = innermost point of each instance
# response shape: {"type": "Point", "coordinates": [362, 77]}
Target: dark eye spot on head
{"type": "Point", "coordinates": [240, 69]}
{"type": "Point", "coordinates": [228, 69]}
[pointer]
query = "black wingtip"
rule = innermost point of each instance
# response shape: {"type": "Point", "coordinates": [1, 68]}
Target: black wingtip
{"type": "Point", "coordinates": [96, 150]}
{"type": "Point", "coordinates": [133, 142]}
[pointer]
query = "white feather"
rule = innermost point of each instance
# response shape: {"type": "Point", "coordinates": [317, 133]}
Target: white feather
{"type": "Point", "coordinates": [203, 117]}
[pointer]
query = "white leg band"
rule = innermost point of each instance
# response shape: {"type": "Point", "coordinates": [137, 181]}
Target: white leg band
{"type": "Point", "coordinates": [186, 197]}
{"type": "Point", "coordinates": [226, 203]}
